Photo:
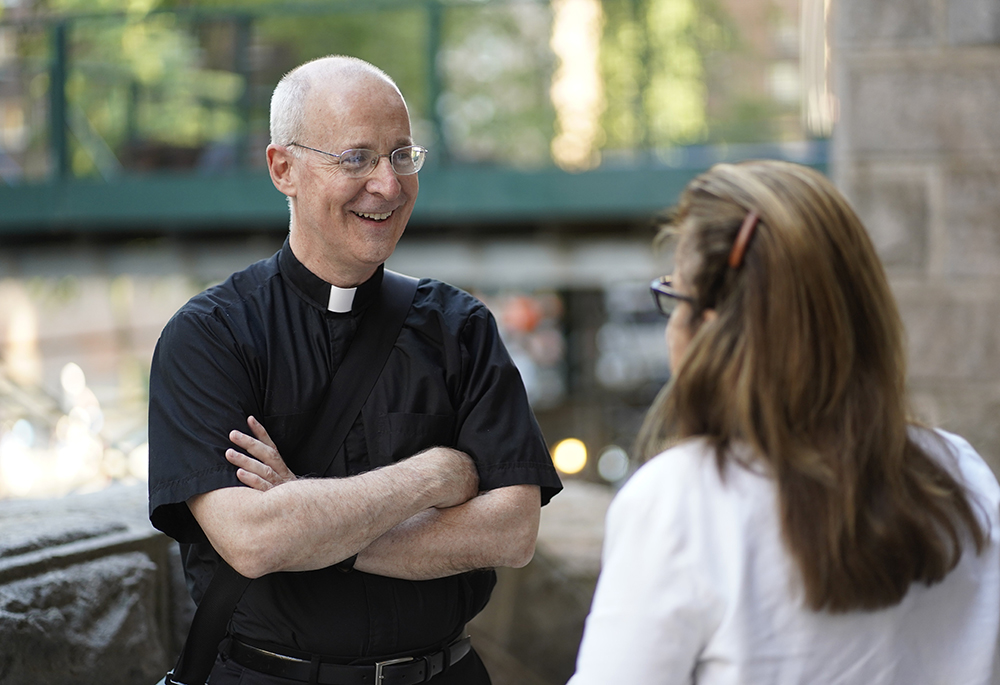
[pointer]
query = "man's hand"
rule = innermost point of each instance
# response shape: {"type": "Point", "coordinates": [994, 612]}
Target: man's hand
{"type": "Point", "coordinates": [496, 528]}
{"type": "Point", "coordinates": [263, 467]}
{"type": "Point", "coordinates": [457, 471]}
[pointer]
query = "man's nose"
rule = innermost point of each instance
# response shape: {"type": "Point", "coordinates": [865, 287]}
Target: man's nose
{"type": "Point", "coordinates": [383, 181]}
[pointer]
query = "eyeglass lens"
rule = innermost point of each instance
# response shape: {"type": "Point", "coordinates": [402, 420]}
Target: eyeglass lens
{"type": "Point", "coordinates": [361, 162]}
{"type": "Point", "coordinates": [664, 303]}
{"type": "Point", "coordinates": [665, 297]}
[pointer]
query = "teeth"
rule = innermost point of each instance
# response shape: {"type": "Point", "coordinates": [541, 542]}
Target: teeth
{"type": "Point", "coordinates": [376, 217]}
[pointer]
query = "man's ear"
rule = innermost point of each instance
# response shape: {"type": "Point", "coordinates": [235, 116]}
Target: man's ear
{"type": "Point", "coordinates": [279, 164]}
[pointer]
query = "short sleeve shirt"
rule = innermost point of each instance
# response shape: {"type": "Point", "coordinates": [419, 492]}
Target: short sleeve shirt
{"type": "Point", "coordinates": [264, 343]}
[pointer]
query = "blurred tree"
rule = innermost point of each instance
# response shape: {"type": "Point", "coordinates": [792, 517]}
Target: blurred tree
{"type": "Point", "coordinates": [496, 67]}
{"type": "Point", "coordinates": [484, 89]}
{"type": "Point", "coordinates": [136, 90]}
{"type": "Point", "coordinates": [654, 55]}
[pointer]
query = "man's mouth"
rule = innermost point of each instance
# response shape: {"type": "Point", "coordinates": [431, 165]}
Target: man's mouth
{"type": "Point", "coordinates": [374, 217]}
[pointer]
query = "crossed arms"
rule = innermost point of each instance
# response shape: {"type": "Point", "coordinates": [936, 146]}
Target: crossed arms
{"type": "Point", "coordinates": [417, 519]}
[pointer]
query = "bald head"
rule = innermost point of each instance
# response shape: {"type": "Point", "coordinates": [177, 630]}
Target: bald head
{"type": "Point", "coordinates": [326, 75]}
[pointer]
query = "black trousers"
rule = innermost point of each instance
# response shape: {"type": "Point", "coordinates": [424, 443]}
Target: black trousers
{"type": "Point", "coordinates": [468, 671]}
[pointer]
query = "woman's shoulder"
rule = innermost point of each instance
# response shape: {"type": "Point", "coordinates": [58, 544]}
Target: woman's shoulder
{"type": "Point", "coordinates": [678, 478]}
{"type": "Point", "coordinates": [697, 456]}
{"type": "Point", "coordinates": [957, 455]}
{"type": "Point", "coordinates": [687, 457]}
{"type": "Point", "coordinates": [964, 463]}
{"type": "Point", "coordinates": [685, 483]}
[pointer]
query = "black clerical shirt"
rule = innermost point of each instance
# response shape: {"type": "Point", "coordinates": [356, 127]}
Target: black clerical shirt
{"type": "Point", "coordinates": [265, 343]}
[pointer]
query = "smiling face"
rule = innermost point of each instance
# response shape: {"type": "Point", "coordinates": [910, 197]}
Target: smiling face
{"type": "Point", "coordinates": [342, 228]}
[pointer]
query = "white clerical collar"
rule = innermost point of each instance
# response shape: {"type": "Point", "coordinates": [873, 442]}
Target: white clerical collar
{"type": "Point", "coordinates": [341, 299]}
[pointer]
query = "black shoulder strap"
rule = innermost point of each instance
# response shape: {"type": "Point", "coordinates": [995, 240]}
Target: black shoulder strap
{"type": "Point", "coordinates": [208, 627]}
{"type": "Point", "coordinates": [352, 384]}
{"type": "Point", "coordinates": [350, 388]}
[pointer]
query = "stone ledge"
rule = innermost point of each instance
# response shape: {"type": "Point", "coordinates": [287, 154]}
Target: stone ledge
{"type": "Point", "coordinates": [88, 592]}
{"type": "Point", "coordinates": [41, 535]}
{"type": "Point", "coordinates": [61, 556]}
{"type": "Point", "coordinates": [100, 621]}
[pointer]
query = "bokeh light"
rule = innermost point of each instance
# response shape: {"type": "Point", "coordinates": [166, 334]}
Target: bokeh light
{"type": "Point", "coordinates": [570, 456]}
{"type": "Point", "coordinates": [613, 464]}
{"type": "Point", "coordinates": [138, 461]}
{"type": "Point", "coordinates": [577, 92]}
{"type": "Point", "coordinates": [73, 379]}
{"type": "Point", "coordinates": [18, 471]}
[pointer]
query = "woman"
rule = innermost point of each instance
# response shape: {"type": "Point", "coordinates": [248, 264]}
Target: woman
{"type": "Point", "coordinates": [800, 529]}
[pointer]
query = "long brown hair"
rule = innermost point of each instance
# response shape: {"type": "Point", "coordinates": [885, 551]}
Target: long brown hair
{"type": "Point", "coordinates": [805, 363]}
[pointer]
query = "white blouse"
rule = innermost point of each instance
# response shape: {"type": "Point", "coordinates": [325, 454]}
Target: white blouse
{"type": "Point", "coordinates": [696, 587]}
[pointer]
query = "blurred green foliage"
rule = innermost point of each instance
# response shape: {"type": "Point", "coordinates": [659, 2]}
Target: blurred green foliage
{"type": "Point", "coordinates": [157, 82]}
{"type": "Point", "coordinates": [653, 55]}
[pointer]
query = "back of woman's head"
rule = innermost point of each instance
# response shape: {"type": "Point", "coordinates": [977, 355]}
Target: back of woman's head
{"type": "Point", "coordinates": [806, 325]}
{"type": "Point", "coordinates": [803, 360]}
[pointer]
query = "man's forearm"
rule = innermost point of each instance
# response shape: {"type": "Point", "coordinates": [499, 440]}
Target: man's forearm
{"type": "Point", "coordinates": [314, 523]}
{"type": "Point", "coordinates": [497, 528]}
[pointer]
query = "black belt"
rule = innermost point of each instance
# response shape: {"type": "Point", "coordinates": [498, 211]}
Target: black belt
{"type": "Point", "coordinates": [403, 671]}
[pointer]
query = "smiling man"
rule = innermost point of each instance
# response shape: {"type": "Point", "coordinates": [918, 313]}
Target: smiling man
{"type": "Point", "coordinates": [372, 568]}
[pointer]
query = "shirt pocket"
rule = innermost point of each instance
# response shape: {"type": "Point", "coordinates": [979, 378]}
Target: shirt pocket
{"type": "Point", "coordinates": [407, 433]}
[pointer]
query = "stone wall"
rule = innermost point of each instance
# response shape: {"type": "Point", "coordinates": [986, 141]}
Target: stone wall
{"type": "Point", "coordinates": [88, 592]}
{"type": "Point", "coordinates": [917, 150]}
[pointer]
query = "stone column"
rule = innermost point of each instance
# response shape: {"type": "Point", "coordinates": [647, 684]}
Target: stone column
{"type": "Point", "coordinates": [917, 150]}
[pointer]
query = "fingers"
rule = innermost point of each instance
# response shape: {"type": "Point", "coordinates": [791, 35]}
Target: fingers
{"type": "Point", "coordinates": [255, 447]}
{"type": "Point", "coordinates": [252, 472]}
{"type": "Point", "coordinates": [253, 480]}
{"type": "Point", "coordinates": [258, 431]}
{"type": "Point", "coordinates": [262, 448]}
{"type": "Point", "coordinates": [259, 456]}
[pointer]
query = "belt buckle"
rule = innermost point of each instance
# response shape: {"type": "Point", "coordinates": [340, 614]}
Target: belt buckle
{"type": "Point", "coordinates": [379, 665]}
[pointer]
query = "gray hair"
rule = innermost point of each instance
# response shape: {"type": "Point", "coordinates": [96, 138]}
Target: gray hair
{"type": "Point", "coordinates": [288, 107]}
{"type": "Point", "coordinates": [288, 102]}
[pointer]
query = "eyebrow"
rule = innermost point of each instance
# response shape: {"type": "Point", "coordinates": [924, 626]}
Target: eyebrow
{"type": "Point", "coordinates": [400, 142]}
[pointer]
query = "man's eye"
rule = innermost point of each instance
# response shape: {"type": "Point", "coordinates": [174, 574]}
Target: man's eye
{"type": "Point", "coordinates": [404, 158]}
{"type": "Point", "coordinates": [355, 158]}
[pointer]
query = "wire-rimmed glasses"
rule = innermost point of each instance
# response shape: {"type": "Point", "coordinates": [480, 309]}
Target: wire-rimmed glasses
{"type": "Point", "coordinates": [360, 162]}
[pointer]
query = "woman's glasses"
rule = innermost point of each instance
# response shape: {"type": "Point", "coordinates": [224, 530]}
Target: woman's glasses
{"type": "Point", "coordinates": [666, 297]}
